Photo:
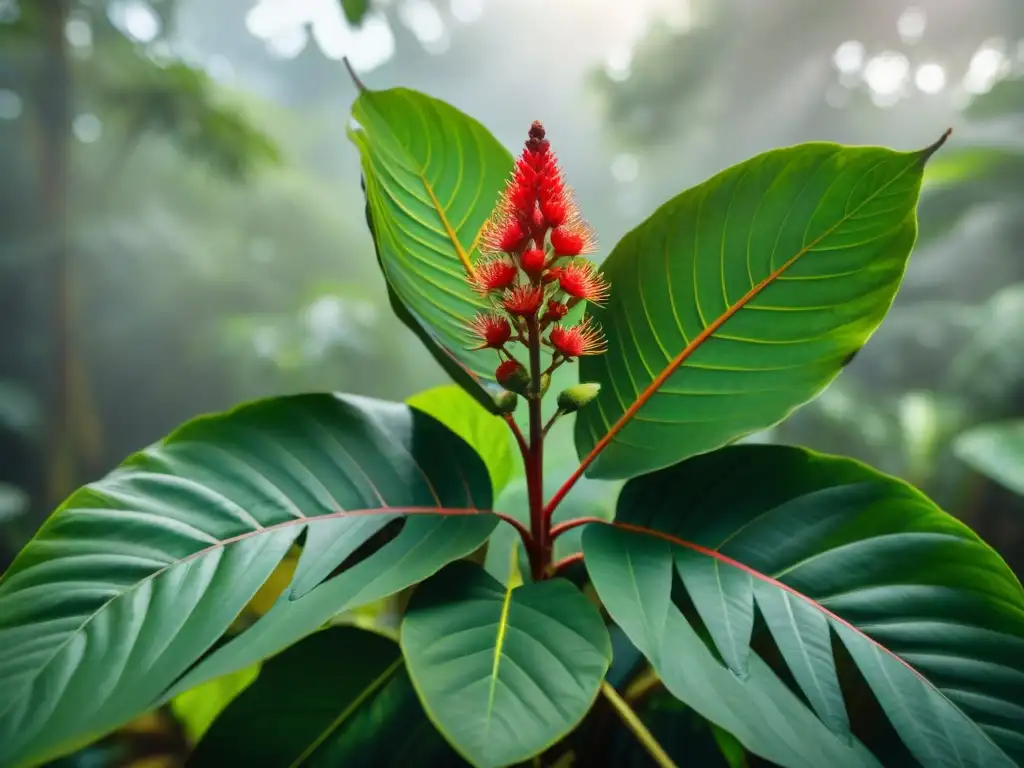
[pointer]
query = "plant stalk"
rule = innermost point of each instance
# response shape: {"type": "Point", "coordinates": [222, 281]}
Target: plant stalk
{"type": "Point", "coordinates": [540, 554]}
{"type": "Point", "coordinates": [633, 722]}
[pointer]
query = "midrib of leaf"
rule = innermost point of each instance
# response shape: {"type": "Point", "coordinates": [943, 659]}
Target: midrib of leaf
{"type": "Point", "coordinates": [878, 647]}
{"type": "Point", "coordinates": [445, 511]}
{"type": "Point", "coordinates": [719, 321]}
{"type": "Point", "coordinates": [499, 642]}
{"type": "Point", "coordinates": [346, 713]}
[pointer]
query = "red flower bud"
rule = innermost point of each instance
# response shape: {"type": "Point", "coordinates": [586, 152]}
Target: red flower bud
{"type": "Point", "coordinates": [532, 261]}
{"type": "Point", "coordinates": [492, 330]}
{"type": "Point", "coordinates": [494, 275]}
{"type": "Point", "coordinates": [513, 376]}
{"type": "Point", "coordinates": [572, 239]}
{"type": "Point", "coordinates": [556, 311]}
{"type": "Point", "coordinates": [581, 280]}
{"type": "Point", "coordinates": [523, 300]}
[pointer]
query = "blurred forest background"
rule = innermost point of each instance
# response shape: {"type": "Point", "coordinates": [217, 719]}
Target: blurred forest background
{"type": "Point", "coordinates": [181, 222]}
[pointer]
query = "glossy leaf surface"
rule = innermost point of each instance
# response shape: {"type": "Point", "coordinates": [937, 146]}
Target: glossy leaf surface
{"type": "Point", "coordinates": [432, 176]}
{"type": "Point", "coordinates": [503, 673]}
{"type": "Point", "coordinates": [996, 450]}
{"type": "Point", "coordinates": [633, 576]}
{"type": "Point", "coordinates": [742, 298]}
{"type": "Point", "coordinates": [339, 697]}
{"type": "Point", "coordinates": [932, 617]}
{"type": "Point", "coordinates": [136, 576]}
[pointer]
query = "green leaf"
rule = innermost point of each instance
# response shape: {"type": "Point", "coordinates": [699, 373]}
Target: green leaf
{"type": "Point", "coordinates": [337, 698]}
{"type": "Point", "coordinates": [488, 434]}
{"type": "Point", "coordinates": [724, 598]}
{"type": "Point", "coordinates": [932, 616]}
{"type": "Point", "coordinates": [503, 673]}
{"type": "Point", "coordinates": [432, 176]}
{"type": "Point", "coordinates": [197, 708]}
{"type": "Point", "coordinates": [742, 298]}
{"type": "Point", "coordinates": [632, 573]}
{"type": "Point", "coordinates": [137, 576]}
{"type": "Point", "coordinates": [996, 450]}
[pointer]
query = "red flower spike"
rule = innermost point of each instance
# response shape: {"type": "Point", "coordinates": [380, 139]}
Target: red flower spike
{"type": "Point", "coordinates": [523, 300]}
{"type": "Point", "coordinates": [578, 340]}
{"type": "Point", "coordinates": [493, 330]}
{"type": "Point", "coordinates": [494, 275]}
{"type": "Point", "coordinates": [556, 311]}
{"type": "Point", "coordinates": [572, 239]}
{"type": "Point", "coordinates": [533, 261]}
{"type": "Point", "coordinates": [581, 280]}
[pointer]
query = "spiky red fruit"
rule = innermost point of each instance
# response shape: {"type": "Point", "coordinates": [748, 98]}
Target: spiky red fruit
{"type": "Point", "coordinates": [492, 330]}
{"type": "Point", "coordinates": [494, 275]}
{"type": "Point", "coordinates": [532, 261]}
{"type": "Point", "coordinates": [577, 340]}
{"type": "Point", "coordinates": [523, 300]}
{"type": "Point", "coordinates": [581, 280]}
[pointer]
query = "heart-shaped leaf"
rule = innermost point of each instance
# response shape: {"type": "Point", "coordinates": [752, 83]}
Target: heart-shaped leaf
{"type": "Point", "coordinates": [136, 576]}
{"type": "Point", "coordinates": [742, 298]}
{"type": "Point", "coordinates": [932, 617]}
{"type": "Point", "coordinates": [503, 673]}
{"type": "Point", "coordinates": [432, 176]}
{"type": "Point", "coordinates": [339, 697]}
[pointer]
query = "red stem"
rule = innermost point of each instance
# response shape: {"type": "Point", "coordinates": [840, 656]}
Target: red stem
{"type": "Point", "coordinates": [540, 553]}
{"type": "Point", "coordinates": [524, 449]}
{"type": "Point", "coordinates": [568, 525]}
{"type": "Point", "coordinates": [565, 562]}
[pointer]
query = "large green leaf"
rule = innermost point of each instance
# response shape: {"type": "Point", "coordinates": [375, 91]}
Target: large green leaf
{"type": "Point", "coordinates": [742, 298]}
{"type": "Point", "coordinates": [487, 433]}
{"type": "Point", "coordinates": [432, 176]}
{"type": "Point", "coordinates": [932, 617]}
{"type": "Point", "coordinates": [340, 697]}
{"type": "Point", "coordinates": [503, 673]}
{"type": "Point", "coordinates": [632, 573]}
{"type": "Point", "coordinates": [996, 450]}
{"type": "Point", "coordinates": [136, 576]}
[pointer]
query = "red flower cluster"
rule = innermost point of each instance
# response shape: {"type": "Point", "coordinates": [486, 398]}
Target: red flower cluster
{"type": "Point", "coordinates": [531, 273]}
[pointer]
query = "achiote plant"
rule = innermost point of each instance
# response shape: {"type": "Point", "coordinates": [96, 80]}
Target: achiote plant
{"type": "Point", "coordinates": [813, 610]}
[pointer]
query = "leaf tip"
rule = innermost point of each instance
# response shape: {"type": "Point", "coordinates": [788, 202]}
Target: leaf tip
{"type": "Point", "coordinates": [933, 148]}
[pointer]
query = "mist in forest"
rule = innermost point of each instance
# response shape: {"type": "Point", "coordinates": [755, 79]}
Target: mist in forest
{"type": "Point", "coordinates": [184, 229]}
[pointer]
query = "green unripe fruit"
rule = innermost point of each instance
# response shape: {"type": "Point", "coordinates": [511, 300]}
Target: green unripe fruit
{"type": "Point", "coordinates": [575, 397]}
